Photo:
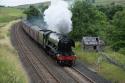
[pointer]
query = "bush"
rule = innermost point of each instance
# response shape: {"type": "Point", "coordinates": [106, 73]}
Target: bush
{"type": "Point", "coordinates": [122, 50]}
{"type": "Point", "coordinates": [118, 46]}
{"type": "Point", "coordinates": [31, 11]}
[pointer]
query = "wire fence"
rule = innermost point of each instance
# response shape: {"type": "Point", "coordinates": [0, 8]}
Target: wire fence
{"type": "Point", "coordinates": [106, 57]}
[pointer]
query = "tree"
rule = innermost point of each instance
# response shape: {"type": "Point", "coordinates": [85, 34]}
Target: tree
{"type": "Point", "coordinates": [42, 8]}
{"type": "Point", "coordinates": [110, 10]}
{"type": "Point", "coordinates": [31, 11]}
{"type": "Point", "coordinates": [2, 6]}
{"type": "Point", "coordinates": [119, 23]}
{"type": "Point", "coordinates": [87, 20]}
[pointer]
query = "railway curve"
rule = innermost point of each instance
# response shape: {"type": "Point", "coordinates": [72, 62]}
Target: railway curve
{"type": "Point", "coordinates": [39, 66]}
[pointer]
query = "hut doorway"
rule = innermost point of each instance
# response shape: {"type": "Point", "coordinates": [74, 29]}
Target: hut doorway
{"type": "Point", "coordinates": [94, 47]}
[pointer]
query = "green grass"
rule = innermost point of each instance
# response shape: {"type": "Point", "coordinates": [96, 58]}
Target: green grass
{"type": "Point", "coordinates": [116, 56]}
{"type": "Point", "coordinates": [111, 72]}
{"type": "Point", "coordinates": [107, 70]}
{"type": "Point", "coordinates": [89, 58]}
{"type": "Point", "coordinates": [9, 14]}
{"type": "Point", "coordinates": [11, 70]}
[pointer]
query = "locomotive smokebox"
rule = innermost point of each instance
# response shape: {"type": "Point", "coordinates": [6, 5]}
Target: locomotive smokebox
{"type": "Point", "coordinates": [65, 44]}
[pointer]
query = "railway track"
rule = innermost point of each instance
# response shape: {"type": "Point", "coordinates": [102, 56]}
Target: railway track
{"type": "Point", "coordinates": [78, 76]}
{"type": "Point", "coordinates": [18, 46]}
{"type": "Point", "coordinates": [40, 67]}
{"type": "Point", "coordinates": [85, 76]}
{"type": "Point", "coordinates": [49, 75]}
{"type": "Point", "coordinates": [40, 70]}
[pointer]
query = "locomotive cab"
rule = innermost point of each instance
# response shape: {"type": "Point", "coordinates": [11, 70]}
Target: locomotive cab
{"type": "Point", "coordinates": [65, 54]}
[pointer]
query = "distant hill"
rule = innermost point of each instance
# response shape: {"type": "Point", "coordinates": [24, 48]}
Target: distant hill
{"type": "Point", "coordinates": [36, 5]}
{"type": "Point", "coordinates": [105, 2]}
{"type": "Point", "coordinates": [120, 2]}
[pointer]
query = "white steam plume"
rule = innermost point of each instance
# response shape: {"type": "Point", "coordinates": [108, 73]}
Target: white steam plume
{"type": "Point", "coordinates": [58, 17]}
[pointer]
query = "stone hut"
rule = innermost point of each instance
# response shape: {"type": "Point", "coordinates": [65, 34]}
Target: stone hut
{"type": "Point", "coordinates": [92, 43]}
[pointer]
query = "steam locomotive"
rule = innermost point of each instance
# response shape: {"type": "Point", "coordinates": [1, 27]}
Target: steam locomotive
{"type": "Point", "coordinates": [56, 45]}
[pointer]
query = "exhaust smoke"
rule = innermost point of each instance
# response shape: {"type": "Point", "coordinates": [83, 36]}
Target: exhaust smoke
{"type": "Point", "coordinates": [58, 17]}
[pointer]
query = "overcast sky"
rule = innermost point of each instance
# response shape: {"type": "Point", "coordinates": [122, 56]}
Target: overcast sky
{"type": "Point", "coordinates": [19, 2]}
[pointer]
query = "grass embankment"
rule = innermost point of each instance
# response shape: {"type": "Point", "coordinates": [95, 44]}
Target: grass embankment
{"type": "Point", "coordinates": [9, 14]}
{"type": "Point", "coordinates": [11, 70]}
{"type": "Point", "coordinates": [107, 70]}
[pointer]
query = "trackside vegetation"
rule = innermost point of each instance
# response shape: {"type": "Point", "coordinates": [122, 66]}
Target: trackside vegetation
{"type": "Point", "coordinates": [106, 22]}
{"type": "Point", "coordinates": [11, 70]}
{"type": "Point", "coordinates": [102, 67]}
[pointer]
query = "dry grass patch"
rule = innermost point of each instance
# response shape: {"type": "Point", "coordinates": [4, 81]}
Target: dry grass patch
{"type": "Point", "coordinates": [11, 70]}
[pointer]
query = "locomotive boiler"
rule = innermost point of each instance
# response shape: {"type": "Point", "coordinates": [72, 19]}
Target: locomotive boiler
{"type": "Point", "coordinates": [55, 44]}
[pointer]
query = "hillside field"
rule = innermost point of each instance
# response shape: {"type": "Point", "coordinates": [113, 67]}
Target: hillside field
{"type": "Point", "coordinates": [9, 14]}
{"type": "Point", "coordinates": [11, 70]}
